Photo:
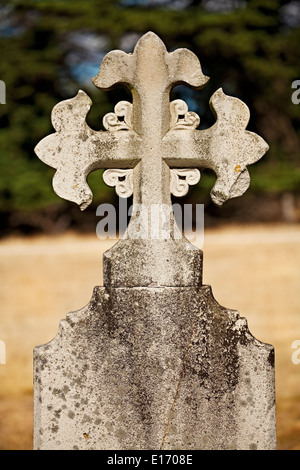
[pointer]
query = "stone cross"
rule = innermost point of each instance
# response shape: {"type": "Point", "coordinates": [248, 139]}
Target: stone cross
{"type": "Point", "coordinates": [152, 148]}
{"type": "Point", "coordinates": [153, 361]}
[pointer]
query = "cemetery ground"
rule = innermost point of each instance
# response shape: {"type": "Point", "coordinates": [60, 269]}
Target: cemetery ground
{"type": "Point", "coordinates": [253, 269]}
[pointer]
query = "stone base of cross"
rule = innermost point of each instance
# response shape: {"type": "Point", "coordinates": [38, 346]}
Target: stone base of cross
{"type": "Point", "coordinates": [153, 361]}
{"type": "Point", "coordinates": [154, 368]}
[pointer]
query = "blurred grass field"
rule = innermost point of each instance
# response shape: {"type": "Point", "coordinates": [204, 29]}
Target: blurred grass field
{"type": "Point", "coordinates": [253, 269]}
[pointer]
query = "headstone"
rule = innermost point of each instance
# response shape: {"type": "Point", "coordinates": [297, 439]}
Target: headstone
{"type": "Point", "coordinates": [153, 361]}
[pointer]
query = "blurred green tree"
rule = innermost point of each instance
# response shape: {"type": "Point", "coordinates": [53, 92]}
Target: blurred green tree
{"type": "Point", "coordinates": [51, 48]}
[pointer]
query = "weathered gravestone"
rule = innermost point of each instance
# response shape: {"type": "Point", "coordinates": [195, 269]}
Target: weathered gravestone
{"type": "Point", "coordinates": [153, 361]}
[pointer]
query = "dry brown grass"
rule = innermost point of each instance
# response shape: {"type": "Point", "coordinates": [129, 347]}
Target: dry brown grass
{"type": "Point", "coordinates": [252, 269]}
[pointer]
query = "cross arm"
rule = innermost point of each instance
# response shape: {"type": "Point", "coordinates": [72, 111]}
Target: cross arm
{"type": "Point", "coordinates": [226, 147]}
{"type": "Point", "coordinates": [75, 150]}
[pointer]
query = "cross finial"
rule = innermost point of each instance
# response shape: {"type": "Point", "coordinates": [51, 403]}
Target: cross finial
{"type": "Point", "coordinates": [159, 153]}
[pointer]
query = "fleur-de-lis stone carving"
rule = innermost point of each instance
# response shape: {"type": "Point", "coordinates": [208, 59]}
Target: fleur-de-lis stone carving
{"type": "Point", "coordinates": [151, 148]}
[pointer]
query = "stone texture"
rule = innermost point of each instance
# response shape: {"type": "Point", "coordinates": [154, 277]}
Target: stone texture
{"type": "Point", "coordinates": [154, 368]}
{"type": "Point", "coordinates": [152, 263]}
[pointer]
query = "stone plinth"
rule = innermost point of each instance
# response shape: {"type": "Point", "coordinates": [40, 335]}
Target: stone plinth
{"type": "Point", "coordinates": [156, 263]}
{"type": "Point", "coordinates": [154, 368]}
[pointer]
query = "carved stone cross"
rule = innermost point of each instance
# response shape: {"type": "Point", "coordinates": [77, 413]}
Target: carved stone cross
{"type": "Point", "coordinates": [151, 148]}
{"type": "Point", "coordinates": [153, 361]}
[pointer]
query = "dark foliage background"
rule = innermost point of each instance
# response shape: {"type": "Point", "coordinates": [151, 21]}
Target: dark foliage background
{"type": "Point", "coordinates": [50, 49]}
